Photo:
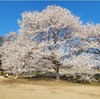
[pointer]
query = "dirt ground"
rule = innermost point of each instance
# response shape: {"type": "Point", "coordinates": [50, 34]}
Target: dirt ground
{"type": "Point", "coordinates": [39, 91]}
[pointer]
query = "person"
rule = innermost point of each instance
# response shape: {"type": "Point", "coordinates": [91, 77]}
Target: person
{"type": "Point", "coordinates": [16, 77]}
{"type": "Point", "coordinates": [6, 75]}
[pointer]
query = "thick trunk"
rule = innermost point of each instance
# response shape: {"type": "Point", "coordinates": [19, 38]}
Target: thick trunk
{"type": "Point", "coordinates": [57, 72]}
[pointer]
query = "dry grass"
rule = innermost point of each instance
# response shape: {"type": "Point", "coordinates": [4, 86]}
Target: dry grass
{"type": "Point", "coordinates": [46, 90]}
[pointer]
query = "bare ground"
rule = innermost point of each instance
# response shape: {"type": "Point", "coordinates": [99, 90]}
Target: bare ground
{"type": "Point", "coordinates": [41, 90]}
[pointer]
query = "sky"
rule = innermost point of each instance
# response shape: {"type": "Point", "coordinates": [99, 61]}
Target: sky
{"type": "Point", "coordinates": [10, 11]}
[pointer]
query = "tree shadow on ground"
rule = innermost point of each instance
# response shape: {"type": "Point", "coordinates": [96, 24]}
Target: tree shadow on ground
{"type": "Point", "coordinates": [49, 76]}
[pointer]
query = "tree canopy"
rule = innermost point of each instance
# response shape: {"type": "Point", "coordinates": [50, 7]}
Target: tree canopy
{"type": "Point", "coordinates": [52, 36]}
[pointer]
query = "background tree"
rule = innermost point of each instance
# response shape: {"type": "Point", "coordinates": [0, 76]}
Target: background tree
{"type": "Point", "coordinates": [18, 53]}
{"type": "Point", "coordinates": [90, 39]}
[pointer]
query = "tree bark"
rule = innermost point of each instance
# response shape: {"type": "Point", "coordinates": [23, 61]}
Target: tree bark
{"type": "Point", "coordinates": [57, 72]}
{"type": "Point", "coordinates": [1, 72]}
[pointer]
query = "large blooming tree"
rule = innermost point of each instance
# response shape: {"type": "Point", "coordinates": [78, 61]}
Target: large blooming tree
{"type": "Point", "coordinates": [53, 29]}
{"type": "Point", "coordinates": [47, 38]}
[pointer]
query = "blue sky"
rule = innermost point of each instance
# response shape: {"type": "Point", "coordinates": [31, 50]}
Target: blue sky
{"type": "Point", "coordinates": [11, 11]}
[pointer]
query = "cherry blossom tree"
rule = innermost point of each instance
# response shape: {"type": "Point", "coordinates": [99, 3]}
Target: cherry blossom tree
{"type": "Point", "coordinates": [45, 39]}
{"type": "Point", "coordinates": [89, 38]}
{"type": "Point", "coordinates": [16, 53]}
{"type": "Point", "coordinates": [90, 35]}
{"type": "Point", "coordinates": [52, 28]}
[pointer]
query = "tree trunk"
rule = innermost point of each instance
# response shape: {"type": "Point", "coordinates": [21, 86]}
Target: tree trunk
{"type": "Point", "coordinates": [57, 72]}
{"type": "Point", "coordinates": [1, 72]}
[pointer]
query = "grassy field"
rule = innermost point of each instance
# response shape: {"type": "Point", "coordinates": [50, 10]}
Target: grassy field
{"type": "Point", "coordinates": [41, 89]}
